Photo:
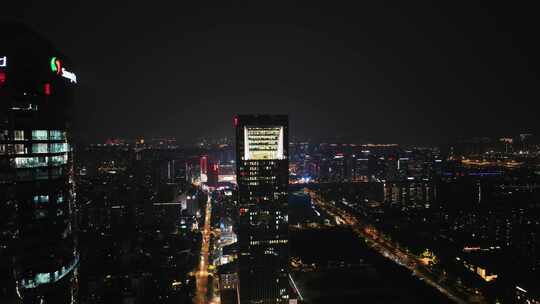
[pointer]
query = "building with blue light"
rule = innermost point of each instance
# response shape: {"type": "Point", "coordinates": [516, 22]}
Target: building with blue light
{"type": "Point", "coordinates": [37, 193]}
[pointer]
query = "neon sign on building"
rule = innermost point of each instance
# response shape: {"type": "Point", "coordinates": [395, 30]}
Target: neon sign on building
{"type": "Point", "coordinates": [69, 75]}
{"type": "Point", "coordinates": [56, 66]}
{"type": "Point", "coordinates": [3, 64]}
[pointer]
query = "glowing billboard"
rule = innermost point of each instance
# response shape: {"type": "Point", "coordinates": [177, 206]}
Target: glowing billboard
{"type": "Point", "coordinates": [56, 66]}
{"type": "Point", "coordinates": [261, 143]}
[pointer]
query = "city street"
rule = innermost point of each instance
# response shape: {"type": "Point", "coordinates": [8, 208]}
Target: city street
{"type": "Point", "coordinates": [201, 274]}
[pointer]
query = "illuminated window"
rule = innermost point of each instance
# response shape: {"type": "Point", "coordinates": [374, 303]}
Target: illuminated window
{"type": "Point", "coordinates": [42, 278]}
{"type": "Point", "coordinates": [39, 148]}
{"type": "Point", "coordinates": [19, 149]}
{"type": "Point", "coordinates": [18, 134]}
{"type": "Point", "coordinates": [58, 147]}
{"type": "Point", "coordinates": [58, 160]}
{"type": "Point", "coordinates": [41, 199]}
{"type": "Point", "coordinates": [39, 135]}
{"type": "Point", "coordinates": [45, 278]}
{"type": "Point", "coordinates": [30, 162]}
{"type": "Point", "coordinates": [58, 135]}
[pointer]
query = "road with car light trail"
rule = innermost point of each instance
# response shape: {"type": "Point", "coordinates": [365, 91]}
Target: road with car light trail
{"type": "Point", "coordinates": [390, 250]}
{"type": "Point", "coordinates": [201, 275]}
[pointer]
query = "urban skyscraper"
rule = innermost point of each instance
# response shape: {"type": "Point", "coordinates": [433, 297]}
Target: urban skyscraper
{"type": "Point", "coordinates": [36, 170]}
{"type": "Point", "coordinates": [262, 175]}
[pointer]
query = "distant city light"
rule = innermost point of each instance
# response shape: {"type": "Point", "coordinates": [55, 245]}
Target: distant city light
{"type": "Point", "coordinates": [305, 180]}
{"type": "Point", "coordinates": [521, 289]}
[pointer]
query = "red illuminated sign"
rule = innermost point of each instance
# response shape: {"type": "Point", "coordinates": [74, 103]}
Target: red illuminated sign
{"type": "Point", "coordinates": [2, 77]}
{"type": "Point", "coordinates": [47, 89]}
{"type": "Point", "coordinates": [204, 164]}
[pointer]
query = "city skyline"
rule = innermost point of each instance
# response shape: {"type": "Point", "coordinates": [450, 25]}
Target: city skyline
{"type": "Point", "coordinates": [402, 73]}
{"type": "Point", "coordinates": [183, 153]}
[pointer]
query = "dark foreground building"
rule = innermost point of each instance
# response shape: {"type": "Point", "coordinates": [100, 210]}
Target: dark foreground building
{"type": "Point", "coordinates": [38, 249]}
{"type": "Point", "coordinates": [262, 176]}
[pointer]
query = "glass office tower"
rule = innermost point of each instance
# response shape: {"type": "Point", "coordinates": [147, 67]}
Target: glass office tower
{"type": "Point", "coordinates": [262, 176]}
{"type": "Point", "coordinates": [38, 245]}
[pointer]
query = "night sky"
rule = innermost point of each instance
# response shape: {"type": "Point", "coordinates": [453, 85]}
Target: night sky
{"type": "Point", "coordinates": [379, 71]}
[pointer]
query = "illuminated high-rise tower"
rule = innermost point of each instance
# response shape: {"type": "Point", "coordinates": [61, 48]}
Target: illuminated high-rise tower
{"type": "Point", "coordinates": [262, 174]}
{"type": "Point", "coordinates": [39, 255]}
